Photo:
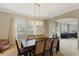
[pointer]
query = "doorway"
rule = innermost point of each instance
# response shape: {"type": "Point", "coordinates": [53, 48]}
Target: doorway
{"type": "Point", "coordinates": [67, 30]}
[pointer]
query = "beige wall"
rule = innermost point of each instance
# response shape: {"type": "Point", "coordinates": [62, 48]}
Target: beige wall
{"type": "Point", "coordinates": [5, 19]}
{"type": "Point", "coordinates": [4, 25]}
{"type": "Point", "coordinates": [47, 26]}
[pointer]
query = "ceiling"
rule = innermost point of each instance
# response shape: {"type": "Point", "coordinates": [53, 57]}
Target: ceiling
{"type": "Point", "coordinates": [47, 10]}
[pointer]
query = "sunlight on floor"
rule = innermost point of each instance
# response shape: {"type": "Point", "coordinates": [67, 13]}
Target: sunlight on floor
{"type": "Point", "coordinates": [69, 47]}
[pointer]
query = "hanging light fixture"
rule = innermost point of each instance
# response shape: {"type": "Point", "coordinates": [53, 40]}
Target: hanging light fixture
{"type": "Point", "coordinates": [38, 7]}
{"type": "Point", "coordinates": [34, 21]}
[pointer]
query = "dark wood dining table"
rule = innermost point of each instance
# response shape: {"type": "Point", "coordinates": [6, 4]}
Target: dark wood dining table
{"type": "Point", "coordinates": [27, 44]}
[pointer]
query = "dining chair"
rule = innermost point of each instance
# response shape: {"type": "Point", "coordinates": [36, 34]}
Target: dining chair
{"type": "Point", "coordinates": [41, 35]}
{"type": "Point", "coordinates": [45, 35]}
{"type": "Point", "coordinates": [45, 38]}
{"type": "Point", "coordinates": [48, 44]}
{"type": "Point", "coordinates": [39, 47]}
{"type": "Point", "coordinates": [54, 45]}
{"type": "Point", "coordinates": [37, 37]}
{"type": "Point", "coordinates": [21, 51]}
{"type": "Point", "coordinates": [30, 37]}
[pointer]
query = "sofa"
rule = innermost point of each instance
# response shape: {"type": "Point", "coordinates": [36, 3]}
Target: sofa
{"type": "Point", "coordinates": [68, 35]}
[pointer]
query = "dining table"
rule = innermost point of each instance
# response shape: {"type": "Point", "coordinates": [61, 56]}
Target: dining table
{"type": "Point", "coordinates": [28, 44]}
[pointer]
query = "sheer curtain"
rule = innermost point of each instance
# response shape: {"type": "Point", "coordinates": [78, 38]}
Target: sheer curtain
{"type": "Point", "coordinates": [12, 32]}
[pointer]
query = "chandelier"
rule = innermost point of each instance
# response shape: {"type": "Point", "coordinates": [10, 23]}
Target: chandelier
{"type": "Point", "coordinates": [36, 22]}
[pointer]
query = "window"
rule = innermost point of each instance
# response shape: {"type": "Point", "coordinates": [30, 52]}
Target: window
{"type": "Point", "coordinates": [64, 28]}
{"type": "Point", "coordinates": [30, 28]}
{"type": "Point", "coordinates": [20, 28]}
{"type": "Point", "coordinates": [73, 28]}
{"type": "Point", "coordinates": [27, 27]}
{"type": "Point", "coordinates": [52, 28]}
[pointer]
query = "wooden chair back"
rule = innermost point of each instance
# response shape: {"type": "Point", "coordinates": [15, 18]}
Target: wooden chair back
{"type": "Point", "coordinates": [18, 46]}
{"type": "Point", "coordinates": [36, 36]}
{"type": "Point", "coordinates": [55, 41]}
{"type": "Point", "coordinates": [39, 48]}
{"type": "Point", "coordinates": [30, 37]}
{"type": "Point", "coordinates": [48, 44]}
{"type": "Point", "coordinates": [41, 35]}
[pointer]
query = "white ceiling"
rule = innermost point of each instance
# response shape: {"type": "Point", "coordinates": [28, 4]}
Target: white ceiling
{"type": "Point", "coordinates": [47, 10]}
